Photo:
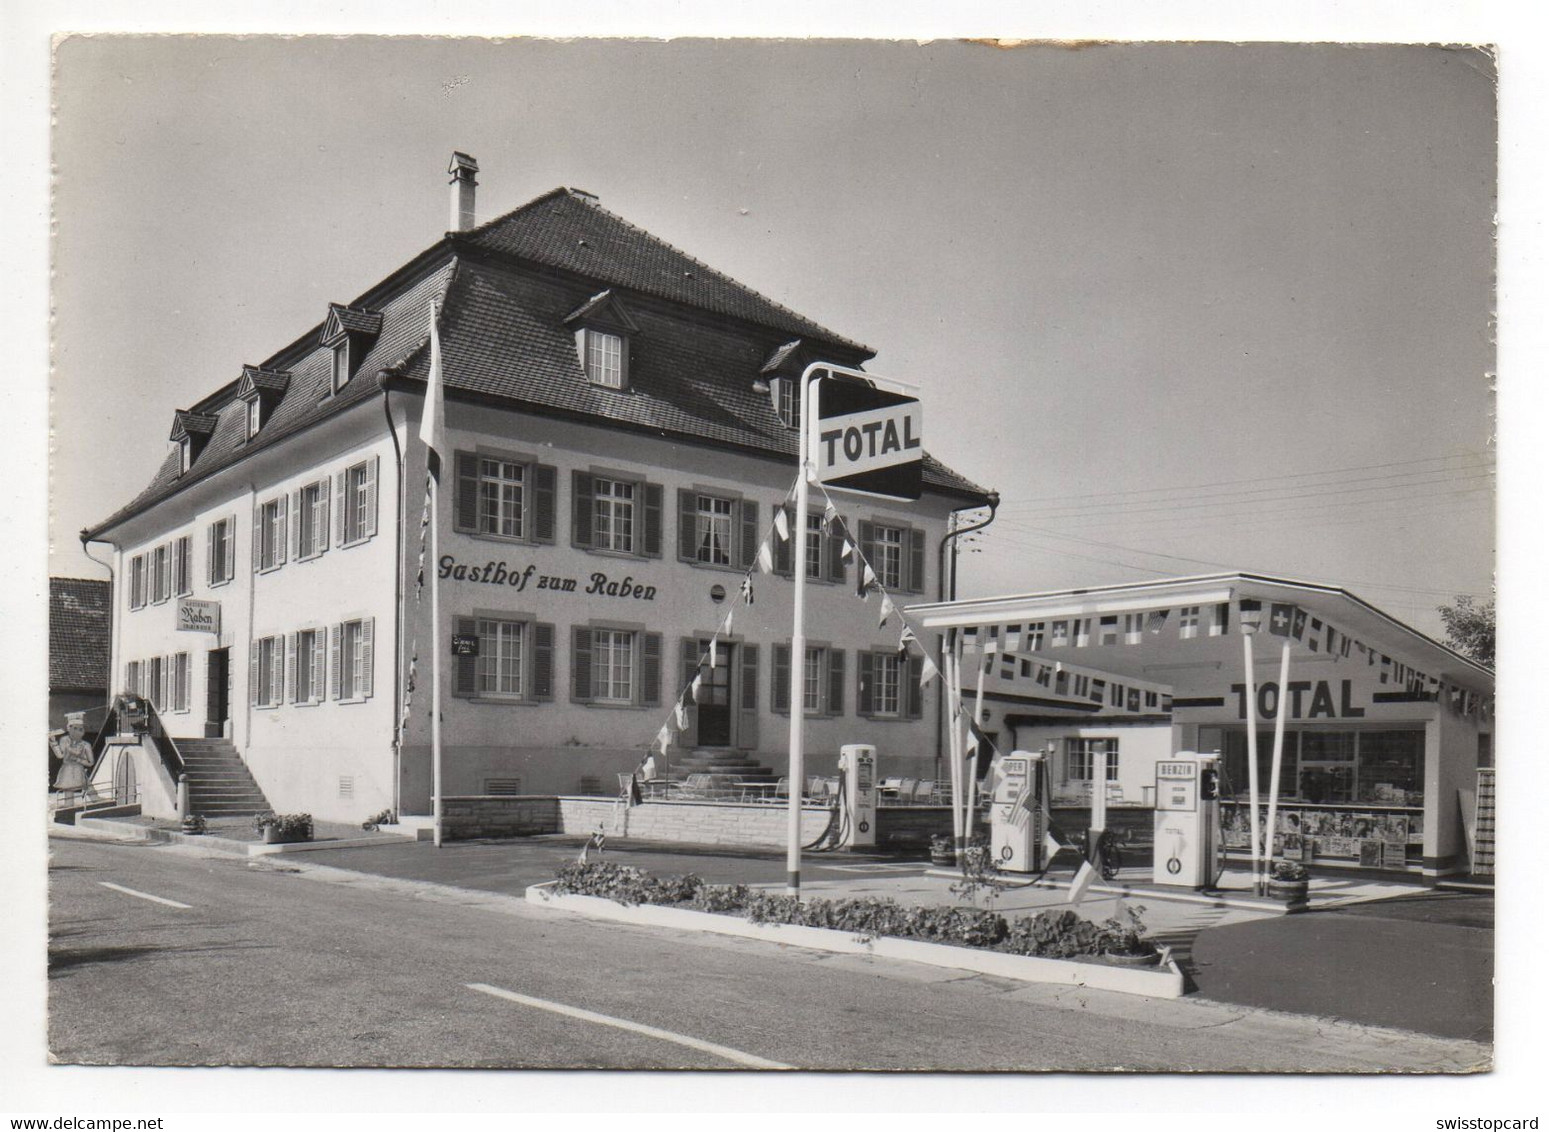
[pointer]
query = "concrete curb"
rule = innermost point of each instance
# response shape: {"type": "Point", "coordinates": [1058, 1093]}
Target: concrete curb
{"type": "Point", "coordinates": [1163, 982]}
{"type": "Point", "coordinates": [120, 831]}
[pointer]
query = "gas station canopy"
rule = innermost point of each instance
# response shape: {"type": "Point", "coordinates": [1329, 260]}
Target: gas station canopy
{"type": "Point", "coordinates": [1161, 641]}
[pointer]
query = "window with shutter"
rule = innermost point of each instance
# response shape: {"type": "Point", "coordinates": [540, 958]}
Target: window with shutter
{"type": "Point", "coordinates": [748, 512]}
{"type": "Point", "coordinates": [544, 491]}
{"type": "Point", "coordinates": [358, 502]}
{"type": "Point", "coordinates": [835, 705]}
{"type": "Point", "coordinates": [543, 662]}
{"type": "Point", "coordinates": [137, 582]}
{"type": "Point", "coordinates": [182, 566]}
{"type": "Point", "coordinates": [581, 664]}
{"type": "Point", "coordinates": [780, 680]}
{"type": "Point", "coordinates": [785, 549]}
{"type": "Point", "coordinates": [650, 669]}
{"type": "Point", "coordinates": [836, 563]}
{"type": "Point", "coordinates": [581, 509]}
{"type": "Point", "coordinates": [865, 704]}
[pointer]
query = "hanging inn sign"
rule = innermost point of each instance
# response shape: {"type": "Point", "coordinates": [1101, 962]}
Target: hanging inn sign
{"type": "Point", "coordinates": [198, 616]}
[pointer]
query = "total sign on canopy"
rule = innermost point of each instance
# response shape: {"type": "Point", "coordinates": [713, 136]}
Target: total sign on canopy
{"type": "Point", "coordinates": [868, 440]}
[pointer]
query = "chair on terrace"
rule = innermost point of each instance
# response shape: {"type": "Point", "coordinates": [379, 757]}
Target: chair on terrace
{"type": "Point", "coordinates": [906, 789]}
{"type": "Point", "coordinates": [925, 792]}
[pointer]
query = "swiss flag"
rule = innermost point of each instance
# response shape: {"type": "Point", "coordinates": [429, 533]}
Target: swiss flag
{"type": "Point", "coordinates": [1280, 618]}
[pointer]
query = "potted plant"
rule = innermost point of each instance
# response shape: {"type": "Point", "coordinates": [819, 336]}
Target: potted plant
{"type": "Point", "coordinates": [1288, 882]}
{"type": "Point", "coordinates": [386, 817]}
{"type": "Point", "coordinates": [941, 854]}
{"type": "Point", "coordinates": [1123, 944]}
{"type": "Point", "coordinates": [282, 828]}
{"type": "Point", "coordinates": [193, 823]}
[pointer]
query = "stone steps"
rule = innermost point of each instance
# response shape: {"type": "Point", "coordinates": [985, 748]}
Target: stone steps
{"type": "Point", "coordinates": [219, 782]}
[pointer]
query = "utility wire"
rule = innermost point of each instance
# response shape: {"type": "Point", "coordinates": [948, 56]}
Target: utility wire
{"type": "Point", "coordinates": [1261, 479]}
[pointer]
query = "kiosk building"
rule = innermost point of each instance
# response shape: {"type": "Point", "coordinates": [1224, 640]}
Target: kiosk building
{"type": "Point", "coordinates": [622, 425]}
{"type": "Point", "coordinates": [1386, 730]}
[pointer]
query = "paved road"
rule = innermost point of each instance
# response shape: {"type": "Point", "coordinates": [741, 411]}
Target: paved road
{"type": "Point", "coordinates": [255, 964]}
{"type": "Point", "coordinates": [1422, 964]}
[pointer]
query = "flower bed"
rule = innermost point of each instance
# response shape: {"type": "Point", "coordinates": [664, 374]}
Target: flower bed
{"type": "Point", "coordinates": [1049, 934]}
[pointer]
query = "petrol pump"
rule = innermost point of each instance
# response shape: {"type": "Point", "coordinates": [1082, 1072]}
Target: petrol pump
{"type": "Point", "coordinates": [858, 795]}
{"type": "Point", "coordinates": [1188, 828]}
{"type": "Point", "coordinates": [1018, 792]}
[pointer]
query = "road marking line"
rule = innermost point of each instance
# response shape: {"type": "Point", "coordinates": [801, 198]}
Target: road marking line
{"type": "Point", "coordinates": [727, 1052]}
{"type": "Point", "coordinates": [143, 895]}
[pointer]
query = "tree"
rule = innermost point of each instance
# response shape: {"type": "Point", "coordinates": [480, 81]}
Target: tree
{"type": "Point", "coordinates": [1470, 628]}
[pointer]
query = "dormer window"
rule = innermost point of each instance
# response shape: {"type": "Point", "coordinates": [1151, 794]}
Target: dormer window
{"type": "Point", "coordinates": [604, 358]}
{"type": "Point", "coordinates": [261, 390]}
{"type": "Point", "coordinates": [191, 432]}
{"type": "Point", "coordinates": [602, 328]}
{"type": "Point", "coordinates": [349, 332]}
{"type": "Point", "coordinates": [783, 372]}
{"type": "Point", "coordinates": [787, 401]}
{"type": "Point", "coordinates": [341, 365]}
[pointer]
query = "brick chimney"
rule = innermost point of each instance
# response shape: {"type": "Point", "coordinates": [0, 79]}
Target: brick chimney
{"type": "Point", "coordinates": [464, 171]}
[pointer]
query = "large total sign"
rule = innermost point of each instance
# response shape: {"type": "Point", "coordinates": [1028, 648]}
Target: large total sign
{"type": "Point", "coordinates": [869, 440]}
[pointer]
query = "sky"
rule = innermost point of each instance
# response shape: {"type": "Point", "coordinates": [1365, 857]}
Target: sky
{"type": "Point", "coordinates": [1187, 307]}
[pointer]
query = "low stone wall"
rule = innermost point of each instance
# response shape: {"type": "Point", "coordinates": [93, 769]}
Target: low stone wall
{"type": "Point", "coordinates": [489, 815]}
{"type": "Point", "coordinates": [695, 823]}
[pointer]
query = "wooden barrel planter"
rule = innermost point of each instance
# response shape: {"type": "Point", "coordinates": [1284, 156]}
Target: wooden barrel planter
{"type": "Point", "coordinates": [1288, 891]}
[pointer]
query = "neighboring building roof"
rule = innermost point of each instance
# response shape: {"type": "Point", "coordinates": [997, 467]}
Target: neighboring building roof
{"type": "Point", "coordinates": [504, 337]}
{"type": "Point", "coordinates": [79, 625]}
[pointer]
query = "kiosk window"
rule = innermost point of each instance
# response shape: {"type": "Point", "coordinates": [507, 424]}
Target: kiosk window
{"type": "Point", "coordinates": [1085, 754]}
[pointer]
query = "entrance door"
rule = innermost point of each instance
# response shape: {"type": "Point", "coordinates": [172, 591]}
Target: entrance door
{"type": "Point", "coordinates": [217, 693]}
{"type": "Point", "coordinates": [714, 714]}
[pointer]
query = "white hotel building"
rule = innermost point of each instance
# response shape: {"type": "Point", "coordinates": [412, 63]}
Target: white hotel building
{"type": "Point", "coordinates": [623, 420]}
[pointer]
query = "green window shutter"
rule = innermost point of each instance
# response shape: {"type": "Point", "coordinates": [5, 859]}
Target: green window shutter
{"type": "Point", "coordinates": [835, 542]}
{"type": "Point", "coordinates": [916, 579]}
{"type": "Point", "coordinates": [747, 724]}
{"type": "Point", "coordinates": [835, 681]}
{"type": "Point", "coordinates": [785, 551]}
{"type": "Point", "coordinates": [296, 524]}
{"type": "Point", "coordinates": [653, 520]}
{"type": "Point", "coordinates": [321, 520]}
{"type": "Point", "coordinates": [252, 676]}
{"type": "Point", "coordinates": [258, 537]}
{"type": "Point", "coordinates": [863, 684]}
{"type": "Point", "coordinates": [650, 669]}
{"type": "Point", "coordinates": [209, 556]}
{"type": "Point", "coordinates": [687, 513]}
{"type": "Point", "coordinates": [868, 548]}
{"type": "Point", "coordinates": [333, 662]}
{"type": "Point", "coordinates": [581, 664]}
{"type": "Point", "coordinates": [340, 480]}
{"type": "Point", "coordinates": [467, 502]}
{"type": "Point", "coordinates": [368, 524]}
{"type": "Point", "coordinates": [915, 694]}
{"type": "Point", "coordinates": [290, 668]}
{"type": "Point", "coordinates": [780, 681]}
{"type": "Point", "coordinates": [688, 653]}
{"type": "Point", "coordinates": [465, 681]}
{"type": "Point", "coordinates": [367, 682]}
{"type": "Point", "coordinates": [749, 509]}
{"type": "Point", "coordinates": [543, 662]}
{"type": "Point", "coordinates": [545, 488]}
{"type": "Point", "coordinates": [280, 542]}
{"type": "Point", "coordinates": [581, 509]}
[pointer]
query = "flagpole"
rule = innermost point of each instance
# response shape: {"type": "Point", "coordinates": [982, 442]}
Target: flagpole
{"type": "Point", "coordinates": [954, 678]}
{"type": "Point", "coordinates": [1274, 769]}
{"type": "Point", "coordinates": [971, 787]}
{"type": "Point", "coordinates": [435, 657]}
{"type": "Point", "coordinates": [1253, 756]}
{"type": "Point", "coordinates": [797, 682]}
{"type": "Point", "coordinates": [433, 435]}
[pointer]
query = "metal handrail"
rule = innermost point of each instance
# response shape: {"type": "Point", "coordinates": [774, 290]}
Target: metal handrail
{"type": "Point", "coordinates": [171, 758]}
